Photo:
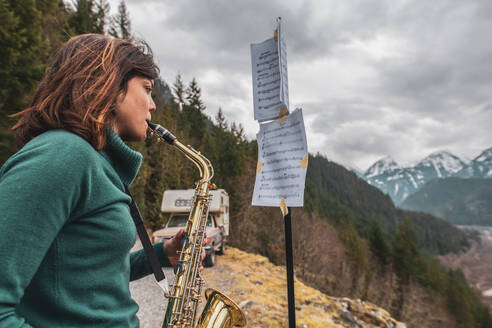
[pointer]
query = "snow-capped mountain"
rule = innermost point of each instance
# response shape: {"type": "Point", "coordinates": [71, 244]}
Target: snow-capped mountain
{"type": "Point", "coordinates": [384, 165]}
{"type": "Point", "coordinates": [480, 167]}
{"type": "Point", "coordinates": [441, 165]}
{"type": "Point", "coordinates": [400, 182]}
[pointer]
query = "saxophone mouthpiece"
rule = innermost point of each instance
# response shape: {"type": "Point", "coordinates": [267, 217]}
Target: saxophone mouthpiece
{"type": "Point", "coordinates": [162, 132]}
{"type": "Point", "coordinates": [151, 125]}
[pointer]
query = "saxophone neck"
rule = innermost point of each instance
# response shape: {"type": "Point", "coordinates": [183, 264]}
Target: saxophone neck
{"type": "Point", "coordinates": [201, 162]}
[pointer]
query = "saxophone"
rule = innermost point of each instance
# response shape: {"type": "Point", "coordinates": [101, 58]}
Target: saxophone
{"type": "Point", "coordinates": [184, 296]}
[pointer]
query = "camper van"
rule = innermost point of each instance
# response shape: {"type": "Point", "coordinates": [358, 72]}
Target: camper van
{"type": "Point", "coordinates": [178, 204]}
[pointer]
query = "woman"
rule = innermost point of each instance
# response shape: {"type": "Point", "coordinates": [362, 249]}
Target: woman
{"type": "Point", "coordinates": [65, 226]}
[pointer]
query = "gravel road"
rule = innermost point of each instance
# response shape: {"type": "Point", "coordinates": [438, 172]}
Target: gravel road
{"type": "Point", "coordinates": [149, 297]}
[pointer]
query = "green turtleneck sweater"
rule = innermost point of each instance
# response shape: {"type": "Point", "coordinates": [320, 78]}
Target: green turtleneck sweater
{"type": "Point", "coordinates": [66, 233]}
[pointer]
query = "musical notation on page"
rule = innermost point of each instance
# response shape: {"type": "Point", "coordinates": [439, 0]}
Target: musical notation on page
{"type": "Point", "coordinates": [282, 157]}
{"type": "Point", "coordinates": [270, 81]}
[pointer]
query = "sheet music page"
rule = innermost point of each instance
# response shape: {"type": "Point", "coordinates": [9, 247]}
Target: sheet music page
{"type": "Point", "coordinates": [282, 162]}
{"type": "Point", "coordinates": [266, 80]}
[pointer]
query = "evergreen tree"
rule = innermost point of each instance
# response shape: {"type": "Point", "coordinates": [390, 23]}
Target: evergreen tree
{"type": "Point", "coordinates": [89, 16]}
{"type": "Point", "coordinates": [192, 113]}
{"type": "Point", "coordinates": [101, 14]}
{"type": "Point", "coordinates": [179, 91]}
{"type": "Point", "coordinates": [24, 51]}
{"type": "Point", "coordinates": [406, 255]}
{"type": "Point", "coordinates": [194, 96]}
{"type": "Point", "coordinates": [358, 262]}
{"type": "Point", "coordinates": [458, 299]}
{"type": "Point", "coordinates": [221, 121]}
{"type": "Point", "coordinates": [230, 152]}
{"type": "Point", "coordinates": [120, 24]}
{"type": "Point", "coordinates": [379, 246]}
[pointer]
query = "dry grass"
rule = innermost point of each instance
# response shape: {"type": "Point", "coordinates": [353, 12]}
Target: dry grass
{"type": "Point", "coordinates": [253, 279]}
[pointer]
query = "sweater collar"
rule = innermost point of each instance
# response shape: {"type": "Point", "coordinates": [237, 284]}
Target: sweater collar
{"type": "Point", "coordinates": [125, 160]}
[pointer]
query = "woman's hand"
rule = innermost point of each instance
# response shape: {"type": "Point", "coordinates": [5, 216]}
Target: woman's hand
{"type": "Point", "coordinates": [173, 245]}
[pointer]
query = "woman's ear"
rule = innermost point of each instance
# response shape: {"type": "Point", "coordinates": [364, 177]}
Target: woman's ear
{"type": "Point", "coordinates": [119, 99]}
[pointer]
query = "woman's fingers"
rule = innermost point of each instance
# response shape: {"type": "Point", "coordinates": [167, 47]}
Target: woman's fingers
{"type": "Point", "coordinates": [172, 246]}
{"type": "Point", "coordinates": [201, 262]}
{"type": "Point", "coordinates": [178, 238]}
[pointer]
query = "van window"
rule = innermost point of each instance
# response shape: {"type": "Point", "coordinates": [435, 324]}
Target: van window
{"type": "Point", "coordinates": [178, 221]}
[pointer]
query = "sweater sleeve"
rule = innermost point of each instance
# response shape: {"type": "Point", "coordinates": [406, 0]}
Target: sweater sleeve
{"type": "Point", "coordinates": [39, 187]}
{"type": "Point", "coordinates": [140, 265]}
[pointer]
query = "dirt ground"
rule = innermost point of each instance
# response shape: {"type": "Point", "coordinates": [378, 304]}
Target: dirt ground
{"type": "Point", "coordinates": [259, 288]}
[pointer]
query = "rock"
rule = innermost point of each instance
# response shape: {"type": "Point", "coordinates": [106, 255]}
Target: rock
{"type": "Point", "coordinates": [246, 304]}
{"type": "Point", "coordinates": [348, 317]}
{"type": "Point", "coordinates": [369, 313]}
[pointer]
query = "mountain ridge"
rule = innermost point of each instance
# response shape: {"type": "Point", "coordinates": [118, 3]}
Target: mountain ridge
{"type": "Point", "coordinates": [399, 182]}
{"type": "Point", "coordinates": [480, 166]}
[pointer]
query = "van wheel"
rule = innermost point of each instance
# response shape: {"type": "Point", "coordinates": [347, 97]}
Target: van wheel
{"type": "Point", "coordinates": [222, 248]}
{"type": "Point", "coordinates": [209, 260]}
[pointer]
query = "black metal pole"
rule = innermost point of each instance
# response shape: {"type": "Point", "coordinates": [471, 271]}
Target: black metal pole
{"type": "Point", "coordinates": [290, 270]}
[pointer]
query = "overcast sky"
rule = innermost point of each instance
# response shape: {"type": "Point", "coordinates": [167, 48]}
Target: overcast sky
{"type": "Point", "coordinates": [374, 78]}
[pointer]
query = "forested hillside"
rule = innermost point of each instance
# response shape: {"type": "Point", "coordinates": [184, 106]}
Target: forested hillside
{"type": "Point", "coordinates": [351, 197]}
{"type": "Point", "coordinates": [349, 239]}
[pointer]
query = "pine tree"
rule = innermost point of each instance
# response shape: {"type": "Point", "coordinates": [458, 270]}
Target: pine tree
{"type": "Point", "coordinates": [458, 298]}
{"type": "Point", "coordinates": [101, 14]}
{"type": "Point", "coordinates": [24, 51]}
{"type": "Point", "coordinates": [220, 119]}
{"type": "Point", "coordinates": [194, 96]}
{"type": "Point", "coordinates": [378, 244]}
{"type": "Point", "coordinates": [179, 91]}
{"type": "Point", "coordinates": [406, 255]}
{"type": "Point", "coordinates": [89, 16]}
{"type": "Point", "coordinates": [120, 24]}
{"type": "Point", "coordinates": [192, 113]}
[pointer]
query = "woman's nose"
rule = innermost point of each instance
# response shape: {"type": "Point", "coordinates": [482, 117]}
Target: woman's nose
{"type": "Point", "coordinates": [152, 105]}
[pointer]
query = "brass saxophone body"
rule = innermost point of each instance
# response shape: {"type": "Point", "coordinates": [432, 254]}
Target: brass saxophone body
{"type": "Point", "coordinates": [185, 293]}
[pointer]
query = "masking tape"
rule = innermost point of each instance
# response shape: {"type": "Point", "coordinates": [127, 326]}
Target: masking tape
{"type": "Point", "coordinates": [283, 207]}
{"type": "Point", "coordinates": [258, 167]}
{"type": "Point", "coordinates": [304, 162]}
{"type": "Point", "coordinates": [282, 115]}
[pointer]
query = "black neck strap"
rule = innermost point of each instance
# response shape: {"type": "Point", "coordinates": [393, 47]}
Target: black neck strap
{"type": "Point", "coordinates": [144, 238]}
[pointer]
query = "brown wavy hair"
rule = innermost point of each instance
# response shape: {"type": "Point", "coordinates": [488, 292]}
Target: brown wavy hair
{"type": "Point", "coordinates": [79, 90]}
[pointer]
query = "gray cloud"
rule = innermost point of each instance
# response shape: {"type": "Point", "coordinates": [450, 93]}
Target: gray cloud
{"type": "Point", "coordinates": [374, 77]}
